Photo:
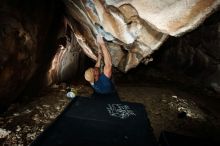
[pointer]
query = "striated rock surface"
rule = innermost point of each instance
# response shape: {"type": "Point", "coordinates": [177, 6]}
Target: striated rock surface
{"type": "Point", "coordinates": [68, 59]}
{"type": "Point", "coordinates": [172, 17]}
{"type": "Point", "coordinates": [130, 38]}
{"type": "Point", "coordinates": [134, 29]}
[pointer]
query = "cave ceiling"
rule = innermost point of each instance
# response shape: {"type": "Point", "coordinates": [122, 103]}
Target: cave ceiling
{"type": "Point", "coordinates": [134, 29]}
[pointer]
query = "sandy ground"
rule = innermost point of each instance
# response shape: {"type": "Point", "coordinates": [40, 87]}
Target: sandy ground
{"type": "Point", "coordinates": [173, 110]}
{"type": "Point", "coordinates": [169, 108]}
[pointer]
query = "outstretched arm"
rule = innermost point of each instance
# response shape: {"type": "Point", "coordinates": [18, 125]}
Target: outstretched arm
{"type": "Point", "coordinates": [106, 55]}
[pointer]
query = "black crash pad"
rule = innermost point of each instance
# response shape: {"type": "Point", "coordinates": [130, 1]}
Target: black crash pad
{"type": "Point", "coordinates": [97, 122]}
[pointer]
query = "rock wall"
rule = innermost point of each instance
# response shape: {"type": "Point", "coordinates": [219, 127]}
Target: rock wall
{"type": "Point", "coordinates": [27, 30]}
{"type": "Point", "coordinates": [134, 29]}
{"type": "Point", "coordinates": [68, 60]}
{"type": "Point", "coordinates": [195, 55]}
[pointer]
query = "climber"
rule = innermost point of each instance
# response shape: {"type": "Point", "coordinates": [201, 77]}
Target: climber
{"type": "Point", "coordinates": [101, 82]}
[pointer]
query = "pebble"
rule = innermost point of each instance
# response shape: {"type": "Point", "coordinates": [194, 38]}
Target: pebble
{"type": "Point", "coordinates": [31, 135]}
{"type": "Point", "coordinates": [27, 111]}
{"type": "Point", "coordinates": [174, 96]}
{"type": "Point", "coordinates": [4, 133]}
{"type": "Point", "coordinates": [16, 114]}
{"type": "Point", "coordinates": [164, 100]}
{"type": "Point", "coordinates": [18, 128]}
{"type": "Point", "coordinates": [46, 106]}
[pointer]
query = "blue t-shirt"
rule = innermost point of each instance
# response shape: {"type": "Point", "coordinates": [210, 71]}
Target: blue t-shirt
{"type": "Point", "coordinates": [103, 85]}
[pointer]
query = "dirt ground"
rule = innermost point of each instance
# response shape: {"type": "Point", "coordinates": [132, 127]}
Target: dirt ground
{"type": "Point", "coordinates": [169, 108]}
